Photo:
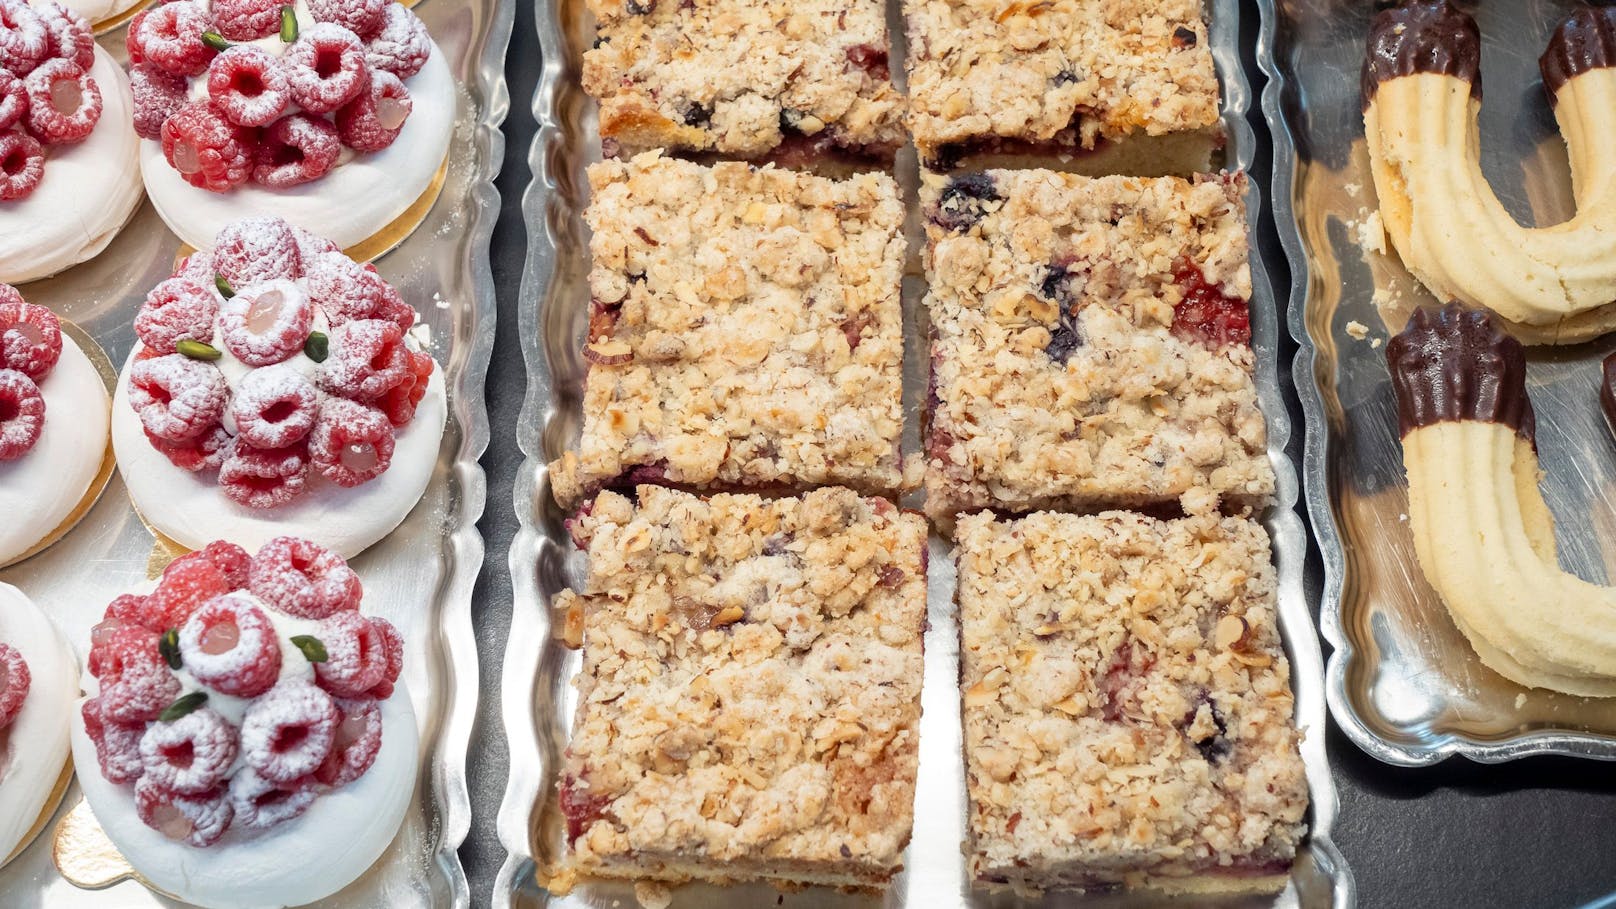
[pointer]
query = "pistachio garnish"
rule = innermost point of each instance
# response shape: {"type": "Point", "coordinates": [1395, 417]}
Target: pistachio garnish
{"type": "Point", "coordinates": [196, 350]}
{"type": "Point", "coordinates": [182, 706]}
{"type": "Point", "coordinates": [216, 41]}
{"type": "Point", "coordinates": [312, 649]}
{"type": "Point", "coordinates": [288, 24]}
{"type": "Point", "coordinates": [225, 289]}
{"type": "Point", "coordinates": [169, 646]}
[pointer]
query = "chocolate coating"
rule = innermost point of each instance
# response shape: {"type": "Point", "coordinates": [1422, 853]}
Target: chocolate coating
{"type": "Point", "coordinates": [1453, 364]}
{"type": "Point", "coordinates": [1585, 41]}
{"type": "Point", "coordinates": [1422, 36]}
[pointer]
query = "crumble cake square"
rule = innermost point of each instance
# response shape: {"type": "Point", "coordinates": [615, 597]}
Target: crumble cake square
{"type": "Point", "coordinates": [758, 80]}
{"type": "Point", "coordinates": [1127, 705]}
{"type": "Point", "coordinates": [749, 702]}
{"type": "Point", "coordinates": [1090, 345]}
{"type": "Point", "coordinates": [1119, 86]}
{"type": "Point", "coordinates": [746, 330]}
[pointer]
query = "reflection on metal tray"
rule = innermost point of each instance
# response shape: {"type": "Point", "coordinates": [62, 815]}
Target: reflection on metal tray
{"type": "Point", "coordinates": [420, 577]}
{"type": "Point", "coordinates": [538, 701]}
{"type": "Point", "coordinates": [1403, 682]}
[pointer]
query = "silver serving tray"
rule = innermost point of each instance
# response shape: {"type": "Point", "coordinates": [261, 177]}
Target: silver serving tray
{"type": "Point", "coordinates": [537, 697]}
{"type": "Point", "coordinates": [1403, 682]}
{"type": "Point", "coordinates": [421, 576]}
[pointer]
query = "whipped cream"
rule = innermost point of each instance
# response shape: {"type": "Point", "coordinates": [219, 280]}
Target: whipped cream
{"type": "Point", "coordinates": [300, 861]}
{"type": "Point", "coordinates": [28, 774]}
{"type": "Point", "coordinates": [191, 509]}
{"type": "Point", "coordinates": [41, 489]}
{"type": "Point", "coordinates": [346, 206]}
{"type": "Point", "coordinates": [86, 196]}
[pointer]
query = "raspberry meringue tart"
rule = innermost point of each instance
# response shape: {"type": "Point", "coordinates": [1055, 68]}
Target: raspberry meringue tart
{"type": "Point", "coordinates": [54, 456]}
{"type": "Point", "coordinates": [38, 684]}
{"type": "Point", "coordinates": [333, 114]}
{"type": "Point", "coordinates": [245, 739]}
{"type": "Point", "coordinates": [67, 146]}
{"type": "Point", "coordinates": [278, 387]}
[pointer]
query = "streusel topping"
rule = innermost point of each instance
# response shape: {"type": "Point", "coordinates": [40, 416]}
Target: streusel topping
{"type": "Point", "coordinates": [746, 329]}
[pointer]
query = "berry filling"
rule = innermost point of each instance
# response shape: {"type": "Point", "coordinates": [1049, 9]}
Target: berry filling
{"type": "Point", "coordinates": [278, 115]}
{"type": "Point", "coordinates": [1207, 314]}
{"type": "Point", "coordinates": [224, 710]}
{"type": "Point", "coordinates": [14, 682]}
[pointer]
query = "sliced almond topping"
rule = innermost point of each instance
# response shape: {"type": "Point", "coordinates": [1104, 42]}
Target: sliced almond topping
{"type": "Point", "coordinates": [1231, 633]}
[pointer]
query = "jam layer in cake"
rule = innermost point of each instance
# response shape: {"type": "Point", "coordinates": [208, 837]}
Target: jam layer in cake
{"type": "Point", "coordinates": [1127, 706]}
{"type": "Point", "coordinates": [1090, 345]}
{"type": "Point", "coordinates": [745, 330]}
{"type": "Point", "coordinates": [749, 702]}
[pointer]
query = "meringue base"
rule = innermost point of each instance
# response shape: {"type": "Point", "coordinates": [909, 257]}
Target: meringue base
{"type": "Point", "coordinates": [33, 783]}
{"type": "Point", "coordinates": [81, 358]}
{"type": "Point", "coordinates": [300, 861]}
{"type": "Point", "coordinates": [191, 511]}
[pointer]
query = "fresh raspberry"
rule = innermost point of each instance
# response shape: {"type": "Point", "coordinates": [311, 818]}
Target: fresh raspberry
{"type": "Point", "coordinates": [178, 309]}
{"type": "Point", "coordinates": [209, 151]}
{"type": "Point", "coordinates": [70, 34]}
{"type": "Point", "coordinates": [127, 609]}
{"type": "Point", "coordinates": [207, 451]}
{"type": "Point", "coordinates": [370, 122]}
{"type": "Point", "coordinates": [402, 46]}
{"type": "Point", "coordinates": [303, 579]}
{"type": "Point", "coordinates": [266, 323]}
{"type": "Point", "coordinates": [117, 745]}
{"type": "Point", "coordinates": [310, 246]}
{"type": "Point", "coordinates": [24, 41]}
{"type": "Point", "coordinates": [169, 37]}
{"type": "Point", "coordinates": [275, 407]}
{"type": "Point", "coordinates": [178, 398]}
{"type": "Point", "coordinates": [188, 583]}
{"type": "Point", "coordinates": [256, 249]}
{"type": "Point", "coordinates": [345, 290]}
{"type": "Point", "coordinates": [13, 100]}
{"type": "Point", "coordinates": [14, 682]}
{"type": "Point", "coordinates": [362, 17]}
{"type": "Point", "coordinates": [64, 103]}
{"type": "Point", "coordinates": [296, 150]}
{"type": "Point", "coordinates": [352, 443]}
{"type": "Point", "coordinates": [158, 95]}
{"type": "Point", "coordinates": [129, 624]}
{"type": "Point", "coordinates": [356, 655]}
{"type": "Point", "coordinates": [399, 404]}
{"type": "Point", "coordinates": [196, 820]}
{"type": "Point", "coordinates": [190, 755]}
{"type": "Point", "coordinates": [288, 731]}
{"type": "Point", "coordinates": [22, 164]}
{"type": "Point", "coordinates": [198, 266]}
{"type": "Point", "coordinates": [326, 68]}
{"type": "Point", "coordinates": [230, 646]}
{"type": "Point", "coordinates": [22, 414]}
{"type": "Point", "coordinates": [359, 738]}
{"type": "Point", "coordinates": [367, 359]}
{"type": "Point", "coordinates": [247, 84]}
{"type": "Point", "coordinates": [393, 649]}
{"type": "Point", "coordinates": [264, 477]}
{"type": "Point", "coordinates": [260, 804]}
{"type": "Point", "coordinates": [232, 561]}
{"type": "Point", "coordinates": [30, 339]}
{"type": "Point", "coordinates": [136, 684]}
{"type": "Point", "coordinates": [247, 20]}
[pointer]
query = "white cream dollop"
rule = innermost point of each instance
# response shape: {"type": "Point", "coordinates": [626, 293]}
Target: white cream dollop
{"type": "Point", "coordinates": [36, 741]}
{"type": "Point", "coordinates": [348, 205]}
{"type": "Point", "coordinates": [41, 489]}
{"type": "Point", "coordinates": [86, 196]}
